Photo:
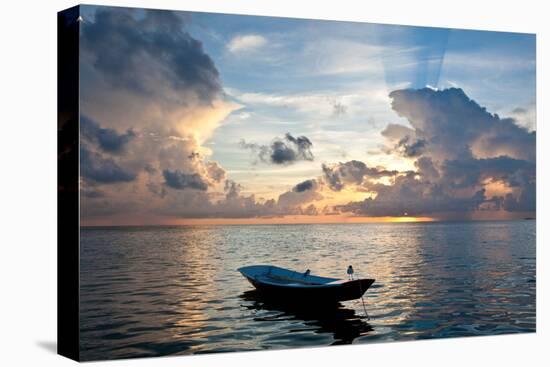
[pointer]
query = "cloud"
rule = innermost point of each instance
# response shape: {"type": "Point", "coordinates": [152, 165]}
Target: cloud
{"type": "Point", "coordinates": [145, 72]}
{"type": "Point", "coordinates": [133, 51]}
{"type": "Point", "coordinates": [291, 202]}
{"type": "Point", "coordinates": [426, 169]}
{"type": "Point", "coordinates": [108, 139]}
{"type": "Point", "coordinates": [409, 148]}
{"type": "Point", "coordinates": [395, 132]}
{"type": "Point", "coordinates": [103, 170]}
{"type": "Point", "coordinates": [403, 140]}
{"type": "Point", "coordinates": [458, 187]}
{"type": "Point", "coordinates": [410, 196]}
{"type": "Point", "coordinates": [304, 186]}
{"type": "Point", "coordinates": [462, 173]}
{"type": "Point", "coordinates": [283, 151]}
{"type": "Point", "coordinates": [525, 117]}
{"type": "Point", "coordinates": [91, 191]}
{"type": "Point", "coordinates": [310, 210]}
{"type": "Point", "coordinates": [232, 189]}
{"type": "Point", "coordinates": [346, 103]}
{"type": "Point", "coordinates": [180, 181]}
{"type": "Point", "coordinates": [524, 202]}
{"type": "Point", "coordinates": [214, 171]}
{"type": "Point", "coordinates": [455, 126]}
{"type": "Point", "coordinates": [92, 194]}
{"type": "Point", "coordinates": [246, 43]}
{"type": "Point", "coordinates": [235, 204]}
{"type": "Point", "coordinates": [337, 56]}
{"type": "Point", "coordinates": [150, 98]}
{"type": "Point", "coordinates": [352, 173]}
{"type": "Point", "coordinates": [461, 152]}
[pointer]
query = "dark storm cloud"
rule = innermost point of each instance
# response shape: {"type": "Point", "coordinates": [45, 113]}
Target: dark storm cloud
{"type": "Point", "coordinates": [426, 169]}
{"type": "Point", "coordinates": [236, 205]}
{"type": "Point", "coordinates": [411, 148]}
{"type": "Point", "coordinates": [410, 196]}
{"type": "Point", "coordinates": [92, 193]}
{"type": "Point", "coordinates": [517, 174]}
{"type": "Point", "coordinates": [352, 172]}
{"type": "Point", "coordinates": [332, 177]}
{"type": "Point", "coordinates": [127, 49]}
{"type": "Point", "coordinates": [142, 70]}
{"type": "Point", "coordinates": [101, 169]}
{"type": "Point", "coordinates": [470, 172]}
{"type": "Point", "coordinates": [385, 208]}
{"type": "Point", "coordinates": [429, 191]}
{"type": "Point", "coordinates": [108, 140]}
{"type": "Point", "coordinates": [455, 126]}
{"type": "Point", "coordinates": [460, 148]}
{"type": "Point", "coordinates": [179, 180]}
{"type": "Point", "coordinates": [304, 186]}
{"type": "Point", "coordinates": [283, 151]}
{"type": "Point", "coordinates": [524, 202]}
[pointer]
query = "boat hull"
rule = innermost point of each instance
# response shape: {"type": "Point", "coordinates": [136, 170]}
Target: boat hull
{"type": "Point", "coordinates": [346, 292]}
{"type": "Point", "coordinates": [325, 293]}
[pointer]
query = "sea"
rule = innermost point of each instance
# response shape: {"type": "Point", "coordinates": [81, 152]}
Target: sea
{"type": "Point", "coordinates": [175, 290]}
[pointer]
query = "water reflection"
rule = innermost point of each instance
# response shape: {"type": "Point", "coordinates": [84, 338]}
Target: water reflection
{"type": "Point", "coordinates": [344, 324]}
{"type": "Point", "coordinates": [175, 290]}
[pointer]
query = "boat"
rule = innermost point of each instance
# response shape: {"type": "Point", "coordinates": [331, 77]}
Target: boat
{"type": "Point", "coordinates": [292, 286]}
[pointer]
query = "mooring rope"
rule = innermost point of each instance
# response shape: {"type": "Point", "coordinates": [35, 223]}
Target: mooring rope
{"type": "Point", "coordinates": [350, 276]}
{"type": "Point", "coordinates": [363, 301]}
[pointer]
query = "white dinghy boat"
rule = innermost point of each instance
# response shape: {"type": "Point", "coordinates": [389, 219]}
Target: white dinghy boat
{"type": "Point", "coordinates": [292, 286]}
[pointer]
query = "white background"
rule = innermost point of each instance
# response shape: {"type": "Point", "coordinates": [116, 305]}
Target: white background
{"type": "Point", "coordinates": [28, 183]}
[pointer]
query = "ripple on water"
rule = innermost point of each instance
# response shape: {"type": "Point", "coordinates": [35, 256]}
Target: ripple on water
{"type": "Point", "coordinates": [148, 291]}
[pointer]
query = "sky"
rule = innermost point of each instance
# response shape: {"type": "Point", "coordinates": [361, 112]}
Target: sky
{"type": "Point", "coordinates": [201, 118]}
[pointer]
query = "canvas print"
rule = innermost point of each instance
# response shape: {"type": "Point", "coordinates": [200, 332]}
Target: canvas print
{"type": "Point", "coordinates": [250, 183]}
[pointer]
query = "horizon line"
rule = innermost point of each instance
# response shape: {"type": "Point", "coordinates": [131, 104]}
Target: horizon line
{"type": "Point", "coordinates": [206, 224]}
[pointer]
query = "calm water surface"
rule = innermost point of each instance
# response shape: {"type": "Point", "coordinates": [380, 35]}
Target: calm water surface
{"type": "Point", "coordinates": [148, 291]}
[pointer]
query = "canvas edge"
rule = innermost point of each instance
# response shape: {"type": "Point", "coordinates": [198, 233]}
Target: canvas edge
{"type": "Point", "coordinates": [68, 232]}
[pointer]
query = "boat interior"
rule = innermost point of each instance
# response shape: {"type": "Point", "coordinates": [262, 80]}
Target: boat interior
{"type": "Point", "coordinates": [282, 276]}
